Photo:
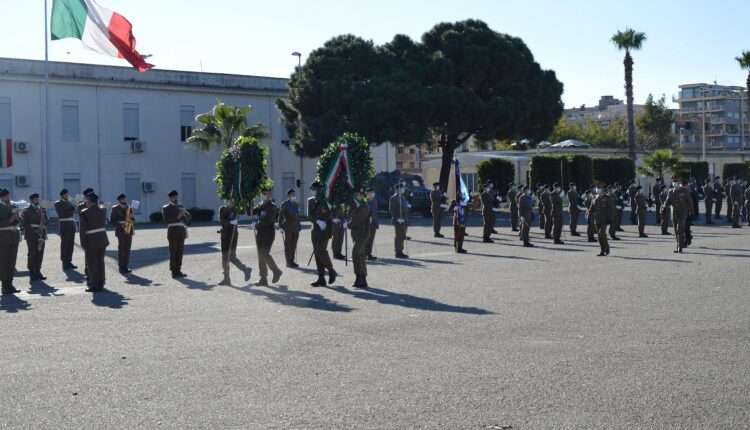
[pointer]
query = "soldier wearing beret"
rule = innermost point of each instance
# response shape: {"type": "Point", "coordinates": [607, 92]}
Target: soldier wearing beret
{"type": "Point", "coordinates": [526, 215]}
{"type": "Point", "coordinates": [9, 239]}
{"type": "Point", "coordinates": [488, 198]}
{"type": "Point", "coordinates": [35, 224]}
{"type": "Point", "coordinates": [264, 217]}
{"type": "Point", "coordinates": [66, 210]}
{"type": "Point", "coordinates": [641, 210]}
{"type": "Point", "coordinates": [176, 217]}
{"type": "Point", "coordinates": [94, 241]}
{"type": "Point", "coordinates": [229, 219]}
{"type": "Point", "coordinates": [122, 218]}
{"type": "Point", "coordinates": [681, 203]}
{"type": "Point", "coordinates": [437, 206]}
{"type": "Point", "coordinates": [372, 203]}
{"type": "Point", "coordinates": [555, 198]}
{"type": "Point", "coordinates": [398, 207]}
{"type": "Point", "coordinates": [573, 202]}
{"type": "Point", "coordinates": [290, 225]}
{"type": "Point", "coordinates": [358, 221]}
{"type": "Point", "coordinates": [603, 213]}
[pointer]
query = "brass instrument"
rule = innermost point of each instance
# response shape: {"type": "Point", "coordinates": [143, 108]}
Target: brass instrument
{"type": "Point", "coordinates": [129, 221]}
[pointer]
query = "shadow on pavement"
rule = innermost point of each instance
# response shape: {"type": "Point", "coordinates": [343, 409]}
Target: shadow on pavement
{"type": "Point", "coordinates": [43, 289]}
{"type": "Point", "coordinates": [150, 256]}
{"type": "Point", "coordinates": [12, 304]}
{"type": "Point", "coordinates": [408, 301]}
{"type": "Point", "coordinates": [664, 260]}
{"type": "Point", "coordinates": [109, 299]}
{"type": "Point", "coordinates": [408, 262]}
{"type": "Point", "coordinates": [74, 276]}
{"type": "Point", "coordinates": [133, 279]}
{"type": "Point", "coordinates": [195, 285]}
{"type": "Point", "coordinates": [281, 294]}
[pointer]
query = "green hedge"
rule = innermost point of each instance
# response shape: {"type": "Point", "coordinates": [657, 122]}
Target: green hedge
{"type": "Point", "coordinates": [498, 170]}
{"type": "Point", "coordinates": [198, 214]}
{"type": "Point", "coordinates": [615, 169]}
{"type": "Point", "coordinates": [694, 169]}
{"type": "Point", "coordinates": [545, 169]}
{"type": "Point", "coordinates": [740, 170]}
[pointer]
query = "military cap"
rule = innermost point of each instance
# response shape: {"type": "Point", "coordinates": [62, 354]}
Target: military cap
{"type": "Point", "coordinates": [63, 191]}
{"type": "Point", "coordinates": [638, 187]}
{"type": "Point", "coordinates": [290, 191]}
{"type": "Point", "coordinates": [4, 192]}
{"type": "Point", "coordinates": [370, 189]}
{"type": "Point", "coordinates": [92, 197]}
{"type": "Point", "coordinates": [397, 186]}
{"type": "Point", "coordinates": [172, 193]}
{"type": "Point", "coordinates": [436, 184]}
{"type": "Point", "coordinates": [524, 187]}
{"type": "Point", "coordinates": [34, 196]}
{"type": "Point", "coordinates": [572, 184]}
{"type": "Point", "coordinates": [315, 185]}
{"type": "Point", "coordinates": [88, 191]}
{"type": "Point", "coordinates": [121, 196]}
{"type": "Point", "coordinates": [556, 184]}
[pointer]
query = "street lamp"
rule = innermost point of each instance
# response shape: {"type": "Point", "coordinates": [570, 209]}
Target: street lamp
{"type": "Point", "coordinates": [299, 58]}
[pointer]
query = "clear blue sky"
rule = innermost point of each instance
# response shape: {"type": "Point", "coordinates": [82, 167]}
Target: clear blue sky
{"type": "Point", "coordinates": [688, 40]}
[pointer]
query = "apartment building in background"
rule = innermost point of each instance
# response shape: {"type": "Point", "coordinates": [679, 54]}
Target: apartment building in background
{"type": "Point", "coordinates": [603, 113]}
{"type": "Point", "coordinates": [716, 113]}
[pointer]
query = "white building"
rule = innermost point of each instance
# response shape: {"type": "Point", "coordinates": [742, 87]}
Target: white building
{"type": "Point", "coordinates": [117, 130]}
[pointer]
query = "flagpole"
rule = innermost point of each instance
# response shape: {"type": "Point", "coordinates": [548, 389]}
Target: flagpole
{"type": "Point", "coordinates": [45, 148]}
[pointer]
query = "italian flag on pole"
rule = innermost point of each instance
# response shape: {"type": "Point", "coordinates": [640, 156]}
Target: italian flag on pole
{"type": "Point", "coordinates": [99, 29]}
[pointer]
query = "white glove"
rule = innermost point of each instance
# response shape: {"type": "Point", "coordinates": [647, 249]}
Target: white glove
{"type": "Point", "coordinates": [444, 206]}
{"type": "Point", "coordinates": [714, 200]}
{"type": "Point", "coordinates": [346, 225]}
{"type": "Point", "coordinates": [408, 205]}
{"type": "Point", "coordinates": [336, 220]}
{"type": "Point", "coordinates": [495, 209]}
{"type": "Point", "coordinates": [523, 220]}
{"type": "Point", "coordinates": [252, 226]}
{"type": "Point", "coordinates": [400, 220]}
{"type": "Point", "coordinates": [321, 224]}
{"type": "Point", "coordinates": [234, 222]}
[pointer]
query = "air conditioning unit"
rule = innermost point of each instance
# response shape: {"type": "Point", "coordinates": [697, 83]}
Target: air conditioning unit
{"type": "Point", "coordinates": [23, 181]}
{"type": "Point", "coordinates": [149, 187]}
{"type": "Point", "coordinates": [137, 146]}
{"type": "Point", "coordinates": [21, 147]}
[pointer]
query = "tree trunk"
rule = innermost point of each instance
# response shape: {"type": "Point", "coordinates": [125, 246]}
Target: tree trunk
{"type": "Point", "coordinates": [445, 166]}
{"type": "Point", "coordinates": [742, 144]}
{"type": "Point", "coordinates": [629, 99]}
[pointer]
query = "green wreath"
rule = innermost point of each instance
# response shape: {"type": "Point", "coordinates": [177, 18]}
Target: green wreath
{"type": "Point", "coordinates": [241, 172]}
{"type": "Point", "coordinates": [342, 175]}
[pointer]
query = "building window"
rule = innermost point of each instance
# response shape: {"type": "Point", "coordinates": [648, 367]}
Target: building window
{"type": "Point", "coordinates": [131, 121]}
{"type": "Point", "coordinates": [70, 121]}
{"type": "Point", "coordinates": [132, 188]}
{"type": "Point", "coordinates": [399, 165]}
{"type": "Point", "coordinates": [72, 183]}
{"type": "Point", "coordinates": [5, 128]}
{"type": "Point", "coordinates": [187, 193]}
{"type": "Point", "coordinates": [6, 181]}
{"type": "Point", "coordinates": [412, 151]}
{"type": "Point", "coordinates": [400, 150]}
{"type": "Point", "coordinates": [187, 116]}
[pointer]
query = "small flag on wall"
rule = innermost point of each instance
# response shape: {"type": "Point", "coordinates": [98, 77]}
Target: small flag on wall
{"type": "Point", "coordinates": [6, 155]}
{"type": "Point", "coordinates": [101, 30]}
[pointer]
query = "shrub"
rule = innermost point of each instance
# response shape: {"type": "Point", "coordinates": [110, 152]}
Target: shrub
{"type": "Point", "coordinates": [156, 217]}
{"type": "Point", "coordinates": [694, 169]}
{"type": "Point", "coordinates": [614, 169]}
{"type": "Point", "coordinates": [498, 170]}
{"type": "Point", "coordinates": [582, 171]}
{"type": "Point", "coordinates": [740, 170]}
{"type": "Point", "coordinates": [545, 169]}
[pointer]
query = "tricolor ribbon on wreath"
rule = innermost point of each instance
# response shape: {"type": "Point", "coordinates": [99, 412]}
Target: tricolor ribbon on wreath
{"type": "Point", "coordinates": [341, 165]}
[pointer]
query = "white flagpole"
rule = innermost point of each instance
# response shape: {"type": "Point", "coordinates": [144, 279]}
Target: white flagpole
{"type": "Point", "coordinates": [45, 148]}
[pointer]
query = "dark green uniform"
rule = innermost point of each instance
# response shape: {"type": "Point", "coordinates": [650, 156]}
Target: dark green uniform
{"type": "Point", "coordinates": [546, 203]}
{"type": "Point", "coordinates": [664, 210]}
{"type": "Point", "coordinates": [94, 242]}
{"type": "Point", "coordinates": [9, 240]}
{"type": "Point", "coordinates": [574, 211]}
{"type": "Point", "coordinates": [265, 214]}
{"type": "Point", "coordinates": [681, 202]}
{"type": "Point", "coordinates": [747, 204]}
{"type": "Point", "coordinates": [590, 224]}
{"type": "Point", "coordinates": [66, 211]}
{"type": "Point", "coordinates": [289, 222]}
{"type": "Point", "coordinates": [513, 206]}
{"type": "Point", "coordinates": [719, 195]}
{"type": "Point", "coordinates": [229, 219]}
{"type": "Point", "coordinates": [374, 225]}
{"type": "Point", "coordinates": [730, 205]}
{"type": "Point", "coordinates": [708, 200]}
{"type": "Point", "coordinates": [176, 234]}
{"type": "Point", "coordinates": [556, 203]}
{"type": "Point", "coordinates": [525, 213]}
{"type": "Point", "coordinates": [488, 214]}
{"type": "Point", "coordinates": [35, 232]}
{"type": "Point", "coordinates": [603, 212]}
{"type": "Point", "coordinates": [399, 210]}
{"type": "Point", "coordinates": [737, 195]}
{"type": "Point", "coordinates": [337, 234]}
{"type": "Point", "coordinates": [122, 218]}
{"type": "Point", "coordinates": [359, 223]}
{"type": "Point", "coordinates": [320, 217]}
{"type": "Point", "coordinates": [641, 210]}
{"type": "Point", "coordinates": [656, 195]}
{"type": "Point", "coordinates": [436, 205]}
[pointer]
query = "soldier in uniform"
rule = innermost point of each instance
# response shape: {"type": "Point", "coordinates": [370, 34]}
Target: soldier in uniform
{"type": "Point", "coordinates": [337, 234]}
{"type": "Point", "coordinates": [546, 203]}
{"type": "Point", "coordinates": [590, 224]}
{"type": "Point", "coordinates": [573, 201]}
{"type": "Point", "coordinates": [35, 223]}
{"type": "Point", "coordinates": [488, 199]}
{"type": "Point", "coordinates": [656, 193]}
{"type": "Point", "coordinates": [641, 209]}
{"type": "Point", "coordinates": [540, 206]}
{"type": "Point", "coordinates": [94, 241]}
{"type": "Point", "coordinates": [719, 196]}
{"type": "Point", "coordinates": [290, 225]}
{"type": "Point", "coordinates": [81, 206]}
{"type": "Point", "coordinates": [359, 223]}
{"type": "Point", "coordinates": [320, 217]}
{"type": "Point", "coordinates": [122, 218]}
{"type": "Point", "coordinates": [619, 202]}
{"type": "Point", "coordinates": [459, 230]}
{"type": "Point", "coordinates": [632, 191]}
{"type": "Point", "coordinates": [372, 203]}
{"type": "Point", "coordinates": [9, 240]}
{"type": "Point", "coordinates": [513, 205]}
{"type": "Point", "coordinates": [437, 205]}
{"type": "Point", "coordinates": [229, 219]}
{"type": "Point", "coordinates": [556, 203]}
{"type": "Point", "coordinates": [664, 211]}
{"type": "Point", "coordinates": [681, 203]}
{"type": "Point", "coordinates": [176, 217]}
{"type": "Point", "coordinates": [709, 199]}
{"type": "Point", "coordinates": [603, 212]}
{"type": "Point", "coordinates": [526, 215]}
{"type": "Point", "coordinates": [397, 207]}
{"type": "Point", "coordinates": [264, 219]}
{"type": "Point", "coordinates": [736, 196]}
{"type": "Point", "coordinates": [730, 205]}
{"type": "Point", "coordinates": [67, 224]}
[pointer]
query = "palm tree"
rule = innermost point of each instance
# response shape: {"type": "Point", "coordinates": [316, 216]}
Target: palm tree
{"type": "Point", "coordinates": [744, 61]}
{"type": "Point", "coordinates": [657, 163]}
{"type": "Point", "coordinates": [629, 40]}
{"type": "Point", "coordinates": [222, 126]}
